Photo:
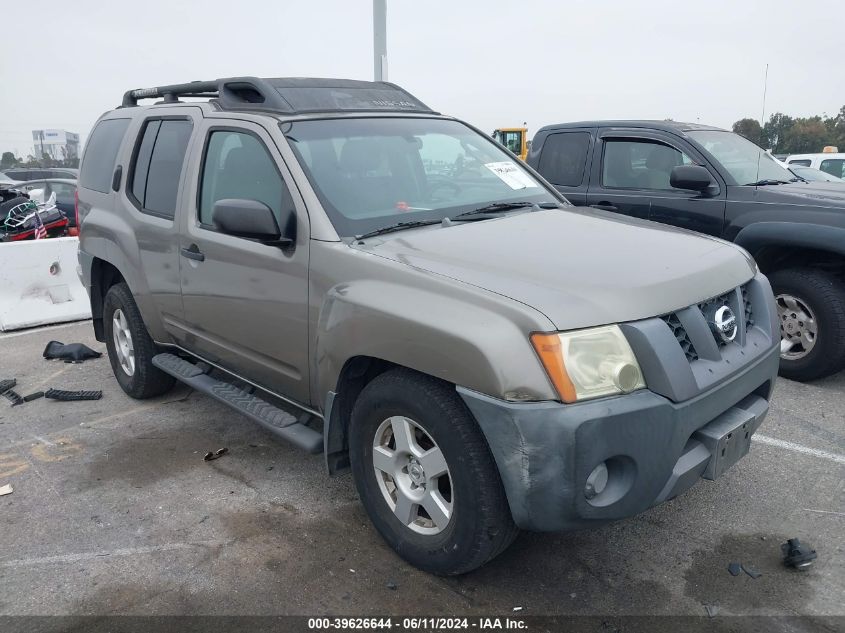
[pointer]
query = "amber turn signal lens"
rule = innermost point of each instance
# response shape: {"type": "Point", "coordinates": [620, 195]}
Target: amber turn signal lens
{"type": "Point", "coordinates": [548, 348]}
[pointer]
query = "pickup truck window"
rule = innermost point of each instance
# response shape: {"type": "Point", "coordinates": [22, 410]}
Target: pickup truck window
{"type": "Point", "coordinates": [804, 162]}
{"type": "Point", "coordinates": [834, 167]}
{"type": "Point", "coordinates": [370, 173]}
{"type": "Point", "coordinates": [639, 164]}
{"type": "Point", "coordinates": [237, 165]}
{"type": "Point", "coordinates": [746, 163]}
{"type": "Point", "coordinates": [563, 158]}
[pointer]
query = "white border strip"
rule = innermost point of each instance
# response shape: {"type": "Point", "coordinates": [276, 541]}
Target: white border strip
{"type": "Point", "coordinates": [806, 450]}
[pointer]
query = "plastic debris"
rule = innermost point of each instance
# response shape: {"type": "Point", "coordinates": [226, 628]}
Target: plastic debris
{"type": "Point", "coordinates": [735, 569]}
{"type": "Point", "coordinates": [7, 384]}
{"type": "Point", "coordinates": [6, 490]}
{"type": "Point", "coordinates": [517, 608]}
{"type": "Point", "coordinates": [797, 554]}
{"type": "Point", "coordinates": [209, 456]}
{"type": "Point", "coordinates": [712, 610]}
{"type": "Point", "coordinates": [33, 396]}
{"type": "Point", "coordinates": [72, 352]}
{"type": "Point", "coordinates": [392, 585]}
{"type": "Point", "coordinates": [70, 396]}
{"type": "Point", "coordinates": [751, 571]}
{"type": "Point", "coordinates": [13, 396]}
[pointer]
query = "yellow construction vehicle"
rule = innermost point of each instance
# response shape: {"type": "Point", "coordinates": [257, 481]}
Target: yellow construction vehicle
{"type": "Point", "coordinates": [515, 139]}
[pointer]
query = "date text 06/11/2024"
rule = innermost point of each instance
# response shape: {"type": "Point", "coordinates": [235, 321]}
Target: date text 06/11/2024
{"type": "Point", "coordinates": [418, 624]}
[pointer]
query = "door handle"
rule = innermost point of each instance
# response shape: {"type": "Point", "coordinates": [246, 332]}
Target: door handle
{"type": "Point", "coordinates": [193, 253]}
{"type": "Point", "coordinates": [605, 206]}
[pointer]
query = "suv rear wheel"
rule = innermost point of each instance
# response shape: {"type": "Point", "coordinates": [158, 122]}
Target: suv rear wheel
{"type": "Point", "coordinates": [811, 313]}
{"type": "Point", "coordinates": [130, 347]}
{"type": "Point", "coordinates": [426, 476]}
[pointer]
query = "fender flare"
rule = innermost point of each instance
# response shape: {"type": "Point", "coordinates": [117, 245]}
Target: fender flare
{"type": "Point", "coordinates": [795, 234]}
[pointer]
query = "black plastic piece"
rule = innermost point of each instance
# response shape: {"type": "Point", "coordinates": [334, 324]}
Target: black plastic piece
{"type": "Point", "coordinates": [71, 351]}
{"type": "Point", "coordinates": [797, 554]}
{"type": "Point", "coordinates": [7, 384]}
{"type": "Point", "coordinates": [70, 396]}
{"type": "Point", "coordinates": [751, 571]}
{"type": "Point", "coordinates": [13, 396]}
{"type": "Point", "coordinates": [33, 396]}
{"type": "Point", "coordinates": [735, 569]}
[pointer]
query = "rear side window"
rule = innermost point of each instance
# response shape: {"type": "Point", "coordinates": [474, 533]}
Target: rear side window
{"type": "Point", "coordinates": [834, 167]}
{"type": "Point", "coordinates": [804, 162]}
{"type": "Point", "coordinates": [98, 164]}
{"type": "Point", "coordinates": [563, 158]}
{"type": "Point", "coordinates": [154, 182]}
{"type": "Point", "coordinates": [237, 165]}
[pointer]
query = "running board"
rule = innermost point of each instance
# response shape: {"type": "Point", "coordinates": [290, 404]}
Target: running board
{"type": "Point", "coordinates": [280, 423]}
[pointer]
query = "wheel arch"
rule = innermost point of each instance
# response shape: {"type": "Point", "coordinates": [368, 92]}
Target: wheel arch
{"type": "Point", "coordinates": [104, 275]}
{"type": "Point", "coordinates": [780, 245]}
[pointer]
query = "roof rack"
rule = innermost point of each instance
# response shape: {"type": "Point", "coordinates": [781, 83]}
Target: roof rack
{"type": "Point", "coordinates": [288, 95]}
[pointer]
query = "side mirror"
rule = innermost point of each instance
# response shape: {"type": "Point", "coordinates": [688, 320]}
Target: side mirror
{"type": "Point", "coordinates": [694, 177]}
{"type": "Point", "coordinates": [249, 218]}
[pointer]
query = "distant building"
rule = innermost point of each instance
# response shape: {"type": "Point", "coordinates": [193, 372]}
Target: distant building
{"type": "Point", "coordinates": [58, 144]}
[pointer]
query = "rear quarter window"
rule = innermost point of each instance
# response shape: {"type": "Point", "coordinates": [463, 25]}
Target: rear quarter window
{"type": "Point", "coordinates": [563, 158]}
{"type": "Point", "coordinates": [100, 154]}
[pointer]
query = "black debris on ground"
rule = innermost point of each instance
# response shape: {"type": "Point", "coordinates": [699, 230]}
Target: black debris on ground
{"type": "Point", "coordinates": [751, 571]}
{"type": "Point", "coordinates": [72, 352]}
{"type": "Point", "coordinates": [797, 554]}
{"type": "Point", "coordinates": [392, 585]}
{"type": "Point", "coordinates": [735, 569]}
{"type": "Point", "coordinates": [7, 384]}
{"type": "Point", "coordinates": [13, 396]}
{"type": "Point", "coordinates": [70, 396]}
{"type": "Point", "coordinates": [33, 396]}
{"type": "Point", "coordinates": [209, 456]}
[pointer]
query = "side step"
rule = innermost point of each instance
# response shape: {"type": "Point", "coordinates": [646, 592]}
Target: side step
{"type": "Point", "coordinates": [278, 422]}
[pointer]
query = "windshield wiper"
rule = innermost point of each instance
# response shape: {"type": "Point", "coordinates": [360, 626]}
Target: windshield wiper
{"type": "Point", "coordinates": [763, 183]}
{"type": "Point", "coordinates": [399, 226]}
{"type": "Point", "coordinates": [501, 207]}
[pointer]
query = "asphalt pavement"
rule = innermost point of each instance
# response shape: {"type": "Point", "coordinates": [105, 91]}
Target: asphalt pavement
{"type": "Point", "coordinates": [114, 511]}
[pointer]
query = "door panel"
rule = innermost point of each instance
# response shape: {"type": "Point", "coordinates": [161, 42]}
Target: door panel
{"type": "Point", "coordinates": [245, 302]}
{"type": "Point", "coordinates": [630, 175]}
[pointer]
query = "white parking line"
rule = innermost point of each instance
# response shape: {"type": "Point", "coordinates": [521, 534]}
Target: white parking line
{"type": "Point", "coordinates": [38, 330]}
{"type": "Point", "coordinates": [125, 551]}
{"type": "Point", "coordinates": [771, 441]}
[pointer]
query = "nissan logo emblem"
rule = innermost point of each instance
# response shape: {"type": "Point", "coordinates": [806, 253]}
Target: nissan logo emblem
{"type": "Point", "coordinates": [724, 324]}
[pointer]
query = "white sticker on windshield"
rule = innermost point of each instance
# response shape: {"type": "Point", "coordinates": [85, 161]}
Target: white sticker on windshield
{"type": "Point", "coordinates": [511, 175]}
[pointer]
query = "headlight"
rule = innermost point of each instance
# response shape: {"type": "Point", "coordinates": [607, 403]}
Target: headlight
{"type": "Point", "coordinates": [589, 363]}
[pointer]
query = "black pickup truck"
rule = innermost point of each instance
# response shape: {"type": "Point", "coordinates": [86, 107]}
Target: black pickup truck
{"type": "Point", "coordinates": [716, 182]}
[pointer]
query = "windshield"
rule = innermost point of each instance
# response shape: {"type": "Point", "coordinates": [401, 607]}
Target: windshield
{"type": "Point", "coordinates": [376, 172]}
{"type": "Point", "coordinates": [743, 160]}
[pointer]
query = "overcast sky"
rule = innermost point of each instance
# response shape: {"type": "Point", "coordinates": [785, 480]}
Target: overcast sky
{"type": "Point", "coordinates": [491, 62]}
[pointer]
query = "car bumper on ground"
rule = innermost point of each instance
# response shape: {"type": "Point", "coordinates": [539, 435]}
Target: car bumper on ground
{"type": "Point", "coordinates": [652, 448]}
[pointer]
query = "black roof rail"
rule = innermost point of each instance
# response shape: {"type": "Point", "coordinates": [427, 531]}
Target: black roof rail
{"type": "Point", "coordinates": [288, 95]}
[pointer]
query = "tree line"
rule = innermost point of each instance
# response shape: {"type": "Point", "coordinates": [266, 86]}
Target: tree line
{"type": "Point", "coordinates": [784, 134]}
{"type": "Point", "coordinates": [9, 160]}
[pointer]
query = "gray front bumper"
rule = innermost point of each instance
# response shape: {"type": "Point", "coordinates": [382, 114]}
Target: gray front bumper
{"type": "Point", "coordinates": [656, 448]}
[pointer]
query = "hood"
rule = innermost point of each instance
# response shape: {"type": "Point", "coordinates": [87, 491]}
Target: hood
{"type": "Point", "coordinates": [820, 194]}
{"type": "Point", "coordinates": [579, 267]}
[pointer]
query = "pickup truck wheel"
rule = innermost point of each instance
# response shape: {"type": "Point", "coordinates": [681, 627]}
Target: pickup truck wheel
{"type": "Point", "coordinates": [811, 312]}
{"type": "Point", "coordinates": [130, 347]}
{"type": "Point", "coordinates": [426, 476]}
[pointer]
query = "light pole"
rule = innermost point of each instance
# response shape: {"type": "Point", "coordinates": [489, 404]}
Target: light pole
{"type": "Point", "coordinates": [380, 40]}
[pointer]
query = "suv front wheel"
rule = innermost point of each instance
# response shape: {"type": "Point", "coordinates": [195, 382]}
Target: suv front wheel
{"type": "Point", "coordinates": [130, 347]}
{"type": "Point", "coordinates": [811, 314]}
{"type": "Point", "coordinates": [425, 474]}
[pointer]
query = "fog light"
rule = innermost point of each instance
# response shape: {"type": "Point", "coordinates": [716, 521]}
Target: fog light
{"type": "Point", "coordinates": [597, 481]}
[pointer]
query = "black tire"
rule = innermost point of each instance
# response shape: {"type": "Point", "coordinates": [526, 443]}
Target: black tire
{"type": "Point", "coordinates": [481, 526]}
{"type": "Point", "coordinates": [147, 381]}
{"type": "Point", "coordinates": [824, 294]}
